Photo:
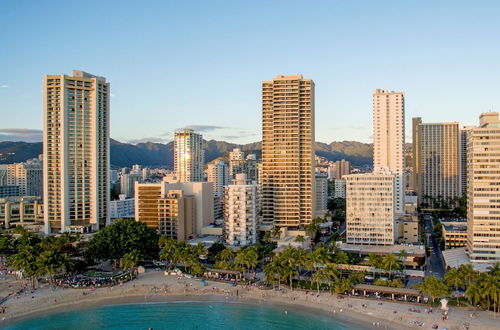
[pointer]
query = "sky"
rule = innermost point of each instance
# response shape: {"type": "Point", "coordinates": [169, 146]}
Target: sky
{"type": "Point", "coordinates": [200, 64]}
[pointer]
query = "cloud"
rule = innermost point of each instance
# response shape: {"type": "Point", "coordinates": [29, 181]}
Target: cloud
{"type": "Point", "coordinates": [4, 86]}
{"type": "Point", "coordinates": [20, 134]}
{"type": "Point", "coordinates": [204, 128]}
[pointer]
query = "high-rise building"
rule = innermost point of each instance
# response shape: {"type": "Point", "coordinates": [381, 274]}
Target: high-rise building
{"type": "Point", "coordinates": [370, 217]}
{"type": "Point", "coordinates": [321, 181]}
{"type": "Point", "coordinates": [239, 164]}
{"type": "Point", "coordinates": [28, 176]}
{"type": "Point", "coordinates": [483, 192]}
{"type": "Point", "coordinates": [339, 188]}
{"type": "Point", "coordinates": [415, 121]}
{"type": "Point", "coordinates": [75, 152]}
{"type": "Point", "coordinates": [127, 184]}
{"type": "Point", "coordinates": [218, 175]}
{"type": "Point", "coordinates": [463, 159]}
{"type": "Point", "coordinates": [153, 200]}
{"type": "Point", "coordinates": [389, 138]}
{"type": "Point", "coordinates": [189, 160]}
{"type": "Point", "coordinates": [338, 169]}
{"type": "Point", "coordinates": [287, 151]}
{"type": "Point", "coordinates": [121, 208]}
{"type": "Point", "coordinates": [241, 212]}
{"type": "Point", "coordinates": [438, 161]}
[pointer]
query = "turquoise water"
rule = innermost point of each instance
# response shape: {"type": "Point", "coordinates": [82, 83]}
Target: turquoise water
{"type": "Point", "coordinates": [185, 315]}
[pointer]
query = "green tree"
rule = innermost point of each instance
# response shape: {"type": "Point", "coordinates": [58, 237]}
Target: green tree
{"type": "Point", "coordinates": [473, 294]}
{"type": "Point", "coordinates": [374, 261]}
{"type": "Point", "coordinates": [434, 287]}
{"type": "Point", "coordinates": [390, 262]}
{"type": "Point", "coordinates": [129, 261]}
{"type": "Point", "coordinates": [341, 257]}
{"type": "Point", "coordinates": [455, 279]}
{"type": "Point", "coordinates": [226, 255]}
{"type": "Point", "coordinates": [26, 260]}
{"type": "Point", "coordinates": [124, 236]}
{"type": "Point", "coordinates": [468, 273]}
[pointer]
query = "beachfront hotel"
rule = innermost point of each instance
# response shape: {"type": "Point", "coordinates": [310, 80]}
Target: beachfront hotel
{"type": "Point", "coordinates": [75, 152]}
{"type": "Point", "coordinates": [438, 160]}
{"type": "Point", "coordinates": [483, 190]}
{"type": "Point", "coordinates": [370, 205]}
{"type": "Point", "coordinates": [189, 160]}
{"type": "Point", "coordinates": [287, 151]}
{"type": "Point", "coordinates": [389, 138]}
{"type": "Point", "coordinates": [177, 209]}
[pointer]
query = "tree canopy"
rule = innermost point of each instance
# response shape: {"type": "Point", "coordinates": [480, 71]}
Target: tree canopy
{"type": "Point", "coordinates": [122, 237]}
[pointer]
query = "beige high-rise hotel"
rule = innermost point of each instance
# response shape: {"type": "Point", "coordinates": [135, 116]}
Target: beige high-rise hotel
{"type": "Point", "coordinates": [483, 190]}
{"type": "Point", "coordinates": [287, 151]}
{"type": "Point", "coordinates": [438, 162]}
{"type": "Point", "coordinates": [75, 152]}
{"type": "Point", "coordinates": [389, 138]}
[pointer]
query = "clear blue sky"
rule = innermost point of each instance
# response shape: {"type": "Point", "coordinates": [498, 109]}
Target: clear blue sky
{"type": "Point", "coordinates": [174, 64]}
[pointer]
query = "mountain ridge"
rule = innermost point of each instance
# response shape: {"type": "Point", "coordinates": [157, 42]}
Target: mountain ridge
{"type": "Point", "coordinates": [161, 154]}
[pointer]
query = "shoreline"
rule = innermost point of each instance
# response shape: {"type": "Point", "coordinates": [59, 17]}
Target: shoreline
{"type": "Point", "coordinates": [148, 289]}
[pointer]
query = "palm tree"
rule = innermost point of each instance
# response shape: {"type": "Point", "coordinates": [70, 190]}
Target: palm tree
{"type": "Point", "coordinates": [341, 258]}
{"type": "Point", "coordinates": [48, 263]}
{"type": "Point", "coordinates": [271, 270]}
{"type": "Point", "coordinates": [319, 276]}
{"type": "Point", "coordinates": [275, 232]}
{"type": "Point", "coordinates": [473, 294]}
{"type": "Point", "coordinates": [169, 248]}
{"type": "Point", "coordinates": [226, 255]}
{"type": "Point", "coordinates": [468, 273]}
{"type": "Point", "coordinates": [455, 279]}
{"type": "Point", "coordinates": [267, 237]}
{"type": "Point", "coordinates": [434, 287]}
{"type": "Point", "coordinates": [374, 261]}
{"type": "Point", "coordinates": [490, 289]}
{"type": "Point", "coordinates": [26, 261]}
{"type": "Point", "coordinates": [299, 239]}
{"type": "Point", "coordinates": [494, 269]}
{"type": "Point", "coordinates": [390, 262]}
{"type": "Point", "coordinates": [301, 261]}
{"type": "Point", "coordinates": [288, 256]}
{"type": "Point", "coordinates": [129, 261]}
{"type": "Point", "coordinates": [402, 257]}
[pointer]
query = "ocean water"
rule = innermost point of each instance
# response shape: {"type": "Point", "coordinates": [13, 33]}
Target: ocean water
{"type": "Point", "coordinates": [184, 315]}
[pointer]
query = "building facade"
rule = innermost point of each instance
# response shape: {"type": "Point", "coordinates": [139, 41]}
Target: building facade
{"type": "Point", "coordinates": [339, 188]}
{"type": "Point", "coordinates": [287, 151]}
{"type": "Point", "coordinates": [438, 161]}
{"type": "Point", "coordinates": [75, 152]}
{"type": "Point", "coordinates": [241, 212]}
{"type": "Point", "coordinates": [28, 176]}
{"type": "Point", "coordinates": [127, 184]}
{"type": "Point", "coordinates": [321, 188]}
{"type": "Point", "coordinates": [483, 192]}
{"type": "Point", "coordinates": [22, 211]}
{"type": "Point", "coordinates": [370, 215]}
{"type": "Point", "coordinates": [122, 208]}
{"type": "Point", "coordinates": [189, 159]}
{"type": "Point", "coordinates": [150, 198]}
{"type": "Point", "coordinates": [389, 138]}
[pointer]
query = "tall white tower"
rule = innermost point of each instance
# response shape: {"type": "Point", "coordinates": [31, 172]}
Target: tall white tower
{"type": "Point", "coordinates": [75, 152]}
{"type": "Point", "coordinates": [389, 139]}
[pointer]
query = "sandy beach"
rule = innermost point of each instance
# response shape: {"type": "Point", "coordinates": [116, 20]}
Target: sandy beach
{"type": "Point", "coordinates": [153, 286]}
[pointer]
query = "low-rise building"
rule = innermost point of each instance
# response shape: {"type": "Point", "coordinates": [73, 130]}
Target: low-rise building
{"type": "Point", "coordinates": [408, 229]}
{"type": "Point", "coordinates": [21, 211]}
{"type": "Point", "coordinates": [454, 232]}
{"type": "Point", "coordinates": [122, 208]}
